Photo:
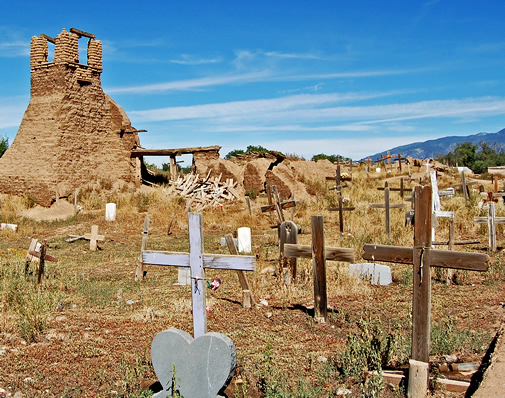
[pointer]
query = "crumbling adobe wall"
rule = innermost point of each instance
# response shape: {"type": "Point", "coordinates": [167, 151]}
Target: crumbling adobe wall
{"type": "Point", "coordinates": [72, 133]}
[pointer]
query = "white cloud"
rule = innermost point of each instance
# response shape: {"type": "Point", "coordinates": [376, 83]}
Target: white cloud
{"type": "Point", "coordinates": [186, 59]}
{"type": "Point", "coordinates": [14, 49]}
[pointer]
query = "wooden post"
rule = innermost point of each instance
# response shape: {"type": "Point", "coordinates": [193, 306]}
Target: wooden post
{"type": "Point", "coordinates": [29, 256]}
{"type": "Point", "coordinates": [320, 297]}
{"type": "Point", "coordinates": [139, 273]}
{"type": "Point", "coordinates": [248, 202]}
{"type": "Point", "coordinates": [169, 229]}
{"type": "Point", "coordinates": [196, 260]}
{"type": "Point", "coordinates": [42, 261]}
{"type": "Point", "coordinates": [173, 168]}
{"type": "Point", "coordinates": [247, 296]}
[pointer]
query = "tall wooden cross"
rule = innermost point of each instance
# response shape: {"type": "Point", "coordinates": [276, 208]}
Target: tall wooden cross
{"type": "Point", "coordinates": [319, 254]}
{"type": "Point", "coordinates": [196, 260]}
{"type": "Point", "coordinates": [338, 188]}
{"type": "Point", "coordinates": [423, 257]}
{"type": "Point", "coordinates": [387, 205]}
{"type": "Point", "coordinates": [491, 220]}
{"type": "Point", "coordinates": [288, 233]}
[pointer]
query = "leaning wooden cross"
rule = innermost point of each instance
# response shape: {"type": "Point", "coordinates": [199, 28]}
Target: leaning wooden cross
{"type": "Point", "coordinates": [42, 256]}
{"type": "Point", "coordinates": [423, 257]}
{"type": "Point", "coordinates": [196, 260]}
{"type": "Point", "coordinates": [491, 220]}
{"type": "Point", "coordinates": [275, 204]}
{"type": "Point", "coordinates": [319, 253]}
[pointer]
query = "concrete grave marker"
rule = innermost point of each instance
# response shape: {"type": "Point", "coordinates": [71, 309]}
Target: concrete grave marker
{"type": "Point", "coordinates": [377, 273]}
{"type": "Point", "coordinates": [192, 367]}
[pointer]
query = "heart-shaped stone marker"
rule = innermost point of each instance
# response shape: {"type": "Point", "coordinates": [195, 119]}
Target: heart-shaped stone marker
{"type": "Point", "coordinates": [203, 366]}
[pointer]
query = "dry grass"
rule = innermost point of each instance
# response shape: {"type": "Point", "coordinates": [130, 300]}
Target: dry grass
{"type": "Point", "coordinates": [107, 320]}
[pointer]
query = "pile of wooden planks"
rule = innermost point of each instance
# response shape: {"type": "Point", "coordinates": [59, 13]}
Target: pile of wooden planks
{"type": "Point", "coordinates": [207, 192]}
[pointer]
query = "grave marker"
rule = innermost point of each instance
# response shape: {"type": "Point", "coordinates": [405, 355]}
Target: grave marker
{"type": "Point", "coordinates": [42, 256]}
{"type": "Point", "coordinates": [387, 205]}
{"type": "Point", "coordinates": [338, 188]}
{"type": "Point", "coordinates": [196, 260]}
{"type": "Point", "coordinates": [288, 233]}
{"type": "Point", "coordinates": [319, 254]}
{"type": "Point", "coordinates": [247, 296]}
{"type": "Point", "coordinates": [93, 238]}
{"type": "Point", "coordinates": [423, 257]}
{"type": "Point", "coordinates": [491, 220]}
{"type": "Point", "coordinates": [464, 186]}
{"type": "Point", "coordinates": [275, 204]}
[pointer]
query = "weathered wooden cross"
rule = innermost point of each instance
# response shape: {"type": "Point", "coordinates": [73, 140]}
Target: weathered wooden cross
{"type": "Point", "coordinates": [338, 188]}
{"type": "Point", "coordinates": [491, 220]}
{"type": "Point", "coordinates": [402, 188]}
{"type": "Point", "coordinates": [319, 254]}
{"type": "Point", "coordinates": [464, 186]}
{"type": "Point", "coordinates": [196, 260]}
{"type": "Point", "coordinates": [93, 238]}
{"type": "Point", "coordinates": [275, 204]}
{"type": "Point", "coordinates": [423, 257]}
{"type": "Point", "coordinates": [387, 205]}
{"type": "Point", "coordinates": [41, 255]}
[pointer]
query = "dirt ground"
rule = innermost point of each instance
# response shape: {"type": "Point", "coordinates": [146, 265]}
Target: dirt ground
{"type": "Point", "coordinates": [97, 340]}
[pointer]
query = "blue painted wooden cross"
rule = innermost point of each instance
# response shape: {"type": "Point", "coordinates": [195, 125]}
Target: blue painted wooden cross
{"type": "Point", "coordinates": [196, 260]}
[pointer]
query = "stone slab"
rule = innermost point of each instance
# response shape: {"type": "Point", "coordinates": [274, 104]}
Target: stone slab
{"type": "Point", "coordinates": [203, 366]}
{"type": "Point", "coordinates": [378, 274]}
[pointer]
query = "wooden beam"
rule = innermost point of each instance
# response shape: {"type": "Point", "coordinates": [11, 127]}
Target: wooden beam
{"type": "Point", "coordinates": [330, 253]}
{"type": "Point", "coordinates": [82, 33]}
{"type": "Point", "coordinates": [140, 152]}
{"type": "Point", "coordinates": [48, 38]}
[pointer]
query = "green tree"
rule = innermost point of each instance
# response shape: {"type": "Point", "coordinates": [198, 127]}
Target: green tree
{"type": "Point", "coordinates": [4, 144]}
{"type": "Point", "coordinates": [331, 158]}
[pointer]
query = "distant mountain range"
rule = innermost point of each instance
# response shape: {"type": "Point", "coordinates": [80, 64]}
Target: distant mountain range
{"type": "Point", "coordinates": [431, 148]}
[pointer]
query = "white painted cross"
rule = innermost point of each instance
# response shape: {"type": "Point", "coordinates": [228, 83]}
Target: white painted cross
{"type": "Point", "coordinates": [196, 260]}
{"type": "Point", "coordinates": [491, 220]}
{"type": "Point", "coordinates": [93, 237]}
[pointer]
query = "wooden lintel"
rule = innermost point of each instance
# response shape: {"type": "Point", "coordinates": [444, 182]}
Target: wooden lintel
{"type": "Point", "coordinates": [140, 152]}
{"type": "Point", "coordinates": [133, 131]}
{"type": "Point", "coordinates": [48, 38]}
{"type": "Point", "coordinates": [330, 253]}
{"type": "Point", "coordinates": [82, 33]}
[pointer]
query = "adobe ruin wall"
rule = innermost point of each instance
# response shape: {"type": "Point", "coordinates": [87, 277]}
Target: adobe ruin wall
{"type": "Point", "coordinates": [72, 133]}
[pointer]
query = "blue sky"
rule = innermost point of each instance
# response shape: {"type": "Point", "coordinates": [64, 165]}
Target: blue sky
{"type": "Point", "coordinates": [335, 77]}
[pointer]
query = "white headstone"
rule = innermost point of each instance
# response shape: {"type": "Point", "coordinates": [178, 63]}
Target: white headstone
{"type": "Point", "coordinates": [244, 240]}
{"type": "Point", "coordinates": [12, 227]}
{"type": "Point", "coordinates": [378, 274]}
{"type": "Point", "coordinates": [110, 212]}
{"type": "Point", "coordinates": [377, 169]}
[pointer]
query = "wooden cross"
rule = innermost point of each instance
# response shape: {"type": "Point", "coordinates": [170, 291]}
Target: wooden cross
{"type": "Point", "coordinates": [93, 237]}
{"type": "Point", "coordinates": [196, 260]}
{"type": "Point", "coordinates": [340, 208]}
{"type": "Point", "coordinates": [42, 256]}
{"type": "Point", "coordinates": [402, 189]}
{"type": "Point", "coordinates": [275, 204]}
{"type": "Point", "coordinates": [319, 254]}
{"type": "Point", "coordinates": [399, 159]}
{"type": "Point", "coordinates": [423, 257]}
{"type": "Point", "coordinates": [464, 186]}
{"type": "Point", "coordinates": [387, 205]}
{"type": "Point", "coordinates": [491, 220]}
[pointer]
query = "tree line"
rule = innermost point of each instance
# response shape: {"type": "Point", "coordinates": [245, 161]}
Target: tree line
{"type": "Point", "coordinates": [476, 157]}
